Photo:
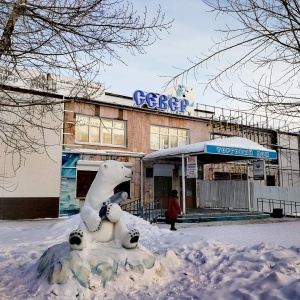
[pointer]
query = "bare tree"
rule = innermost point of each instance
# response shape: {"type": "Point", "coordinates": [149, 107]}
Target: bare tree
{"type": "Point", "coordinates": [45, 42]}
{"type": "Point", "coordinates": [265, 37]}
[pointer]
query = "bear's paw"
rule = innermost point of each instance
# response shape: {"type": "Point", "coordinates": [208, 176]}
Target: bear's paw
{"type": "Point", "coordinates": [131, 239]}
{"type": "Point", "coordinates": [76, 240]}
{"type": "Point", "coordinates": [113, 212]}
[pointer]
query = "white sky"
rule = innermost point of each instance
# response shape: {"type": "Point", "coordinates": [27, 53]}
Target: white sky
{"type": "Point", "coordinates": [191, 35]}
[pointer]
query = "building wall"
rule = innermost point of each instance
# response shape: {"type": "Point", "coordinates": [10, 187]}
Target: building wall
{"type": "Point", "coordinates": [138, 125]}
{"type": "Point", "coordinates": [38, 176]}
{"type": "Point", "coordinates": [30, 183]}
{"type": "Point", "coordinates": [139, 121]}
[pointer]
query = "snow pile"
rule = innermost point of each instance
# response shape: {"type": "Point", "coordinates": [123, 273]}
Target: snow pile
{"type": "Point", "coordinates": [194, 262]}
{"type": "Point", "coordinates": [93, 267]}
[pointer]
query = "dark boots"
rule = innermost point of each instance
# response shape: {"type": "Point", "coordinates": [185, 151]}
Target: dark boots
{"type": "Point", "coordinates": [172, 221]}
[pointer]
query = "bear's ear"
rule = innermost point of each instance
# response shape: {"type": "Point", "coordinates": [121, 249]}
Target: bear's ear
{"type": "Point", "coordinates": [105, 166]}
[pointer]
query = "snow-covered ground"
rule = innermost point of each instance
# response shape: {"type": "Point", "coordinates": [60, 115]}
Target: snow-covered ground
{"type": "Point", "coordinates": [228, 260]}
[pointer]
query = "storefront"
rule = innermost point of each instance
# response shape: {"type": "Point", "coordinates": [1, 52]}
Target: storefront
{"type": "Point", "coordinates": [124, 129]}
{"type": "Point", "coordinates": [214, 151]}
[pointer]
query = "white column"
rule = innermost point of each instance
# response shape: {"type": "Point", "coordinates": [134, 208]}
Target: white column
{"type": "Point", "coordinates": [142, 183]}
{"type": "Point", "coordinates": [183, 183]}
{"type": "Point", "coordinates": [248, 187]}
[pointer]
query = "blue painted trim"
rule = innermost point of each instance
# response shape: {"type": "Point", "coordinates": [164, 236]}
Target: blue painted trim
{"type": "Point", "coordinates": [243, 152]}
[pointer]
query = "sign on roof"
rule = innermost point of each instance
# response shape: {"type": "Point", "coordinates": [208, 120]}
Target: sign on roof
{"type": "Point", "coordinates": [179, 99]}
{"type": "Point", "coordinates": [234, 151]}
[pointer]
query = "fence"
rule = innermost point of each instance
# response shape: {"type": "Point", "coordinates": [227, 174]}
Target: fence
{"type": "Point", "coordinates": [221, 194]}
{"type": "Point", "coordinates": [234, 194]}
{"type": "Point", "coordinates": [290, 208]}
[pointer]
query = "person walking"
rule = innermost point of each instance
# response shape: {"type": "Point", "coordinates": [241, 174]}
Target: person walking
{"type": "Point", "coordinates": [173, 208]}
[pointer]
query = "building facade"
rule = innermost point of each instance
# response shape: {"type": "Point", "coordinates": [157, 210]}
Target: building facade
{"type": "Point", "coordinates": [118, 129]}
{"type": "Point", "coordinates": [126, 129]}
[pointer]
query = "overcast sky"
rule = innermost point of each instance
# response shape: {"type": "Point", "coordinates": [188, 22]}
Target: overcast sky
{"type": "Point", "coordinates": [192, 32]}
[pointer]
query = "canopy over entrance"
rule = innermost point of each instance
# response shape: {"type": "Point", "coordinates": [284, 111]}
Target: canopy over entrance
{"type": "Point", "coordinates": [214, 151]}
{"type": "Point", "coordinates": [217, 151]}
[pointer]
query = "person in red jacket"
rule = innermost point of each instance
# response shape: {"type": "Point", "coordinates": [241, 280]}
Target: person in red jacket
{"type": "Point", "coordinates": [173, 209]}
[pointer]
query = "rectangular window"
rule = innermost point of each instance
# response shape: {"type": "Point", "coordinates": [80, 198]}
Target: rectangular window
{"type": "Point", "coordinates": [229, 176]}
{"type": "Point", "coordinates": [167, 137]}
{"type": "Point", "coordinates": [101, 131]}
{"type": "Point", "coordinates": [85, 179]}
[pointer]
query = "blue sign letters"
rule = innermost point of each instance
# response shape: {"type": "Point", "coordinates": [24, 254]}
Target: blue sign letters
{"type": "Point", "coordinates": [271, 154]}
{"type": "Point", "coordinates": [161, 102]}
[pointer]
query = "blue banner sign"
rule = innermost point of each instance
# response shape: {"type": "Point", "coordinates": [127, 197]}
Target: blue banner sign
{"type": "Point", "coordinates": [161, 102]}
{"type": "Point", "coordinates": [240, 152]}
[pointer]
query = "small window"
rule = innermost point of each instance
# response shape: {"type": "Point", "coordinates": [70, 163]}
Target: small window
{"type": "Point", "coordinates": [82, 133]}
{"type": "Point", "coordinates": [229, 176]}
{"type": "Point", "coordinates": [167, 137]}
{"type": "Point", "coordinates": [101, 131]}
{"type": "Point", "coordinates": [271, 180]}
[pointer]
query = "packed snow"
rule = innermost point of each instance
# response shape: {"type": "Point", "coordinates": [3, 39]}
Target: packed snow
{"type": "Point", "coordinates": [221, 260]}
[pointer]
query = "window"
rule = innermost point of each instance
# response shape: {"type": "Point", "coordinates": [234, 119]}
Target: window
{"type": "Point", "coordinates": [229, 176]}
{"type": "Point", "coordinates": [271, 180]}
{"type": "Point", "coordinates": [94, 130]}
{"type": "Point", "coordinates": [85, 179]}
{"type": "Point", "coordinates": [167, 137]}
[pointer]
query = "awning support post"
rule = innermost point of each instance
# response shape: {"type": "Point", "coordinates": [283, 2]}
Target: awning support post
{"type": "Point", "coordinates": [248, 187]}
{"type": "Point", "coordinates": [183, 183]}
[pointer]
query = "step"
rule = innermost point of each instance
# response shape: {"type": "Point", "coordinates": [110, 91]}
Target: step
{"type": "Point", "coordinates": [217, 217]}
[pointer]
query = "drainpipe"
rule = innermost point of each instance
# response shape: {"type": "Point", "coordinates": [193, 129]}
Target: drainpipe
{"type": "Point", "coordinates": [142, 183]}
{"type": "Point", "coordinates": [183, 183]}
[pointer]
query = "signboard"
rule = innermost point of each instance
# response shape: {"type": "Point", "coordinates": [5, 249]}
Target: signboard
{"type": "Point", "coordinates": [192, 170]}
{"type": "Point", "coordinates": [259, 170]}
{"type": "Point", "coordinates": [161, 102]}
{"type": "Point", "coordinates": [234, 151]}
{"type": "Point", "coordinates": [183, 92]}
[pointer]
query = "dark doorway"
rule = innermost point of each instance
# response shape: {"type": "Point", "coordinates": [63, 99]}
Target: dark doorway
{"type": "Point", "coordinates": [271, 180]}
{"type": "Point", "coordinates": [190, 192]}
{"type": "Point", "coordinates": [84, 180]}
{"type": "Point", "coordinates": [162, 189]}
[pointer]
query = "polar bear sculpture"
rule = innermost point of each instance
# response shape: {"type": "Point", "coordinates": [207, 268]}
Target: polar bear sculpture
{"type": "Point", "coordinates": [92, 227]}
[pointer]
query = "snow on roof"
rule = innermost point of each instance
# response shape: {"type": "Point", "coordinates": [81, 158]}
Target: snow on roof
{"type": "Point", "coordinates": [239, 142]}
{"type": "Point", "coordinates": [199, 148]}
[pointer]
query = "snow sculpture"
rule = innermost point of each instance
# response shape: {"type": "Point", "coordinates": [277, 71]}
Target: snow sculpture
{"type": "Point", "coordinates": [101, 219]}
{"type": "Point", "coordinates": [98, 267]}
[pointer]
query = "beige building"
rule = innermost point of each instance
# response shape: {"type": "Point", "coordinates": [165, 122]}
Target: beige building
{"type": "Point", "coordinates": [118, 129]}
{"type": "Point", "coordinates": [126, 129]}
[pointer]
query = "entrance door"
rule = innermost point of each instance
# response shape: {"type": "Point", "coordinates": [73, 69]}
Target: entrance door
{"type": "Point", "coordinates": [162, 189]}
{"type": "Point", "coordinates": [190, 192]}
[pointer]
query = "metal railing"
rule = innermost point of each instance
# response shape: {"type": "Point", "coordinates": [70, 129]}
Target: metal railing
{"type": "Point", "coordinates": [152, 211]}
{"type": "Point", "coordinates": [133, 207]}
{"type": "Point", "coordinates": [290, 208]}
{"type": "Point", "coordinates": [149, 212]}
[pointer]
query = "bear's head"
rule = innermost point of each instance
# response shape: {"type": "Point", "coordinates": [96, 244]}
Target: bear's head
{"type": "Point", "coordinates": [113, 172]}
{"type": "Point", "coordinates": [110, 174]}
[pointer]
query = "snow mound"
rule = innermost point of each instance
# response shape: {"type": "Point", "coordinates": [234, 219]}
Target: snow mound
{"type": "Point", "coordinates": [92, 268]}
